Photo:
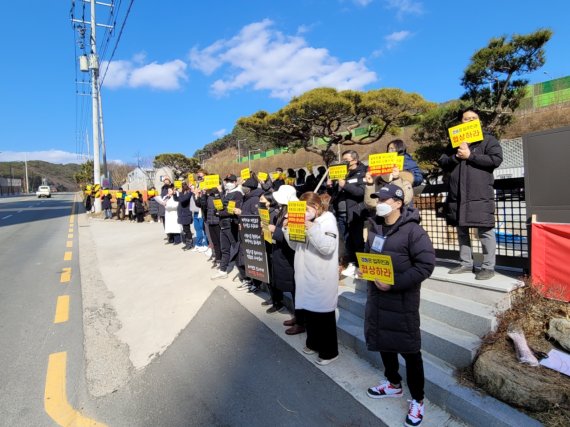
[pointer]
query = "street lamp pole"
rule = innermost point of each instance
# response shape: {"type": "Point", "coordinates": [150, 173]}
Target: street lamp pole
{"type": "Point", "coordinates": [239, 148]}
{"type": "Point", "coordinates": [249, 156]}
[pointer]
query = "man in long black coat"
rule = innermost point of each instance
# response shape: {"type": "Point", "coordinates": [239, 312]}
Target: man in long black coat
{"type": "Point", "coordinates": [471, 198]}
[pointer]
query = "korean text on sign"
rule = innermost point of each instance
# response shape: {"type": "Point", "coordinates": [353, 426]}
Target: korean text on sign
{"type": "Point", "coordinates": [376, 266]}
{"type": "Point", "coordinates": [178, 184]}
{"type": "Point", "coordinates": [210, 181]}
{"type": "Point", "coordinates": [231, 206]}
{"type": "Point", "coordinates": [264, 215]}
{"type": "Point", "coordinates": [383, 163]}
{"type": "Point", "coordinates": [262, 176]}
{"type": "Point", "coordinates": [466, 132]}
{"type": "Point", "coordinates": [296, 220]}
{"type": "Point", "coordinates": [218, 204]}
{"type": "Point", "coordinates": [338, 172]}
{"type": "Point", "coordinates": [245, 174]}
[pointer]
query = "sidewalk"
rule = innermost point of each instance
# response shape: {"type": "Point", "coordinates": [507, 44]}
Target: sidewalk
{"type": "Point", "coordinates": [139, 294]}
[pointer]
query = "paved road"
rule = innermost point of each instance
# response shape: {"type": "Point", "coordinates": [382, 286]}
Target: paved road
{"type": "Point", "coordinates": [34, 235]}
{"type": "Point", "coordinates": [225, 368]}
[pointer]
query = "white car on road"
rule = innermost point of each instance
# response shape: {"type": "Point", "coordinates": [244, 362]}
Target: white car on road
{"type": "Point", "coordinates": [43, 191]}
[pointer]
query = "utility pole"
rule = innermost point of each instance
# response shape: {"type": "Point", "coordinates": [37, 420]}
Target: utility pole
{"type": "Point", "coordinates": [239, 148]}
{"type": "Point", "coordinates": [94, 67]}
{"type": "Point", "coordinates": [103, 148]}
{"type": "Point", "coordinates": [26, 167]}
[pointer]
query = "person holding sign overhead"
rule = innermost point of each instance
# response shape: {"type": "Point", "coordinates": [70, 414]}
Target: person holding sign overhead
{"type": "Point", "coordinates": [471, 198]}
{"type": "Point", "coordinates": [410, 165]}
{"type": "Point", "coordinates": [392, 317]}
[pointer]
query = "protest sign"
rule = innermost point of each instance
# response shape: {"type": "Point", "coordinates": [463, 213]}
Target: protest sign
{"type": "Point", "coordinates": [376, 266]}
{"type": "Point", "coordinates": [253, 246]}
{"type": "Point", "coordinates": [465, 132]}
{"type": "Point", "coordinates": [383, 163]}
{"type": "Point", "coordinates": [262, 176]}
{"type": "Point", "coordinates": [245, 174]}
{"type": "Point", "coordinates": [231, 206]}
{"type": "Point", "coordinates": [264, 215]}
{"type": "Point", "coordinates": [191, 179]}
{"type": "Point", "coordinates": [218, 204]}
{"type": "Point", "coordinates": [296, 220]}
{"type": "Point", "coordinates": [178, 184]}
{"type": "Point", "coordinates": [338, 172]}
{"type": "Point", "coordinates": [210, 181]}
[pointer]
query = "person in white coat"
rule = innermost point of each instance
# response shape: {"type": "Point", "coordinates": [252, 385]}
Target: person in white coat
{"type": "Point", "coordinates": [316, 278]}
{"type": "Point", "coordinates": [171, 227]}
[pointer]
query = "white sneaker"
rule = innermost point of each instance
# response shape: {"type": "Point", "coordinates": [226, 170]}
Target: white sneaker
{"type": "Point", "coordinates": [195, 249]}
{"type": "Point", "coordinates": [349, 271]}
{"type": "Point", "coordinates": [219, 274]}
{"type": "Point", "coordinates": [208, 252]}
{"type": "Point", "coordinates": [202, 248]}
{"type": "Point", "coordinates": [324, 362]}
{"type": "Point", "coordinates": [415, 413]}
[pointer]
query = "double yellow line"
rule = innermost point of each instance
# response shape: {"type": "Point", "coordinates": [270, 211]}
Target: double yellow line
{"type": "Point", "coordinates": [55, 395]}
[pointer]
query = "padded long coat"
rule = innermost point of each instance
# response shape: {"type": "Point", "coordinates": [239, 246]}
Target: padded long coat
{"type": "Point", "coordinates": [471, 198]}
{"type": "Point", "coordinates": [392, 318]}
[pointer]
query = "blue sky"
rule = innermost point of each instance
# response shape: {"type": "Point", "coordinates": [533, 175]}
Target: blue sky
{"type": "Point", "coordinates": [185, 71]}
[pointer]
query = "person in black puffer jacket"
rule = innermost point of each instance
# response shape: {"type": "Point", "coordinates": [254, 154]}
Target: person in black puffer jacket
{"type": "Point", "coordinates": [392, 317]}
{"type": "Point", "coordinates": [185, 216]}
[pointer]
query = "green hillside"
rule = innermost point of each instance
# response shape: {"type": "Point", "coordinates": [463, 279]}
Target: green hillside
{"type": "Point", "coordinates": [57, 175]}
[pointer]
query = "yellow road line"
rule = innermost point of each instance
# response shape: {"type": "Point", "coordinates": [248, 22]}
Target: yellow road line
{"type": "Point", "coordinates": [69, 244]}
{"type": "Point", "coordinates": [67, 256]}
{"type": "Point", "coordinates": [70, 235]}
{"type": "Point", "coordinates": [62, 309]}
{"type": "Point", "coordinates": [65, 275]}
{"type": "Point", "coordinates": [55, 395]}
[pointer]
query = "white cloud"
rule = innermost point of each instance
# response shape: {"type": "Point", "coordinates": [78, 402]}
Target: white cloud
{"type": "Point", "coordinates": [404, 7]}
{"type": "Point", "coordinates": [263, 58]}
{"type": "Point", "coordinates": [51, 156]}
{"type": "Point", "coordinates": [166, 76]}
{"type": "Point", "coordinates": [396, 37]}
{"type": "Point", "coordinates": [219, 133]}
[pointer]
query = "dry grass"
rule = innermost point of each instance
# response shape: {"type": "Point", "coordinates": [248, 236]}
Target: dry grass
{"type": "Point", "coordinates": [532, 312]}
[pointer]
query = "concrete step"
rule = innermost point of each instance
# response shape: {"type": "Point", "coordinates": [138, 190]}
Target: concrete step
{"type": "Point", "coordinates": [455, 346]}
{"type": "Point", "coordinates": [473, 407]}
{"type": "Point", "coordinates": [470, 316]}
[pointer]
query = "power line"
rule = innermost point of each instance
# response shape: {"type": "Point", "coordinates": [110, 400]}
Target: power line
{"type": "Point", "coordinates": [117, 42]}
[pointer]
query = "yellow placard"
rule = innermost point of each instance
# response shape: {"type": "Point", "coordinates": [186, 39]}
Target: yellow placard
{"type": "Point", "coordinates": [376, 266]}
{"type": "Point", "coordinates": [178, 184]}
{"type": "Point", "coordinates": [231, 206]}
{"type": "Point", "coordinates": [338, 172]}
{"type": "Point", "coordinates": [191, 179]}
{"type": "Point", "coordinates": [290, 181]}
{"type": "Point", "coordinates": [264, 216]}
{"type": "Point", "coordinates": [275, 176]}
{"type": "Point", "coordinates": [310, 167]}
{"type": "Point", "coordinates": [296, 220]}
{"type": "Point", "coordinates": [105, 192]}
{"type": "Point", "coordinates": [218, 204]}
{"type": "Point", "coordinates": [245, 174]}
{"type": "Point", "coordinates": [118, 195]}
{"type": "Point", "coordinates": [262, 176]}
{"type": "Point", "coordinates": [465, 132]}
{"type": "Point", "coordinates": [210, 181]}
{"type": "Point", "coordinates": [383, 163]}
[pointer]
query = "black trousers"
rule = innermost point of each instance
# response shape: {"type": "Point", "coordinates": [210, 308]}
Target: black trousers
{"type": "Point", "coordinates": [187, 233]}
{"type": "Point", "coordinates": [215, 240]}
{"type": "Point", "coordinates": [321, 333]}
{"type": "Point", "coordinates": [414, 371]}
{"type": "Point", "coordinates": [228, 237]}
{"type": "Point", "coordinates": [276, 295]}
{"type": "Point", "coordinates": [299, 314]}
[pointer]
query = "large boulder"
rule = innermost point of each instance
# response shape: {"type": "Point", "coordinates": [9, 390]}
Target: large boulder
{"type": "Point", "coordinates": [559, 330]}
{"type": "Point", "coordinates": [534, 388]}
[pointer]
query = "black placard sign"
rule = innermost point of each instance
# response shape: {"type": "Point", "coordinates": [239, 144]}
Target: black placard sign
{"type": "Point", "coordinates": [253, 247]}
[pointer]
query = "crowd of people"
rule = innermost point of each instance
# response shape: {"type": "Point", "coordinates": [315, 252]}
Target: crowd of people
{"type": "Point", "coordinates": [364, 213]}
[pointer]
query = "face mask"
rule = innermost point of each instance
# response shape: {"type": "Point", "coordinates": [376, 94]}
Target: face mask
{"type": "Point", "coordinates": [309, 215]}
{"type": "Point", "coordinates": [383, 209]}
{"type": "Point", "coordinates": [229, 186]}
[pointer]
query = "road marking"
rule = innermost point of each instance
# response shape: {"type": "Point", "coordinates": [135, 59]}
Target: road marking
{"type": "Point", "coordinates": [6, 217]}
{"type": "Point", "coordinates": [70, 235]}
{"type": "Point", "coordinates": [65, 275]}
{"type": "Point", "coordinates": [55, 395]}
{"type": "Point", "coordinates": [67, 256]}
{"type": "Point", "coordinates": [62, 309]}
{"type": "Point", "coordinates": [69, 244]}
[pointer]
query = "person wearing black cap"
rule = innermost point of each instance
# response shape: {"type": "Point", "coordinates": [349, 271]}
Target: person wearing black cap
{"type": "Point", "coordinates": [392, 318]}
{"type": "Point", "coordinates": [471, 198]}
{"type": "Point", "coordinates": [228, 224]}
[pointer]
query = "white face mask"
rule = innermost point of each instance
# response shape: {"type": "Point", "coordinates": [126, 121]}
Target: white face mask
{"type": "Point", "coordinates": [229, 186]}
{"type": "Point", "coordinates": [383, 209]}
{"type": "Point", "coordinates": [309, 215]}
